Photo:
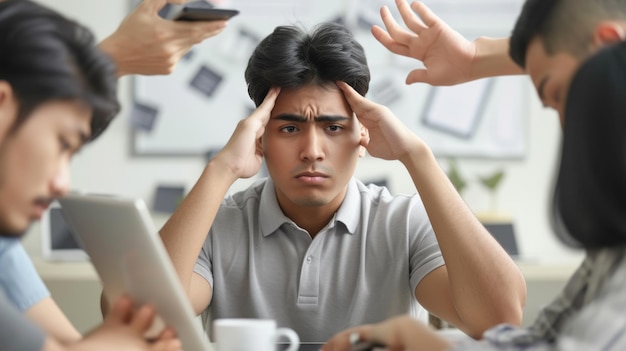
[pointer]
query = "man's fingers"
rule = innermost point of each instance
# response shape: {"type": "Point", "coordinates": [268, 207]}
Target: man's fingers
{"type": "Point", "coordinates": [167, 341]}
{"type": "Point", "coordinates": [359, 104]}
{"type": "Point", "coordinates": [122, 310]}
{"type": "Point", "coordinates": [167, 333]}
{"type": "Point", "coordinates": [419, 75]}
{"type": "Point", "coordinates": [350, 94]}
{"type": "Point", "coordinates": [167, 345]}
{"type": "Point", "coordinates": [387, 41]}
{"type": "Point", "coordinates": [270, 99]}
{"type": "Point", "coordinates": [397, 32]}
{"type": "Point", "coordinates": [409, 17]}
{"type": "Point", "coordinates": [142, 320]}
{"type": "Point", "coordinates": [429, 18]}
{"type": "Point", "coordinates": [262, 113]}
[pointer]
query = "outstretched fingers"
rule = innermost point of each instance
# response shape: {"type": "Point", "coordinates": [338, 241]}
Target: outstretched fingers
{"type": "Point", "coordinates": [428, 17]}
{"type": "Point", "coordinates": [412, 21]}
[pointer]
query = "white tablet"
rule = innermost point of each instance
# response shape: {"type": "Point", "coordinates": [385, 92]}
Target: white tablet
{"type": "Point", "coordinates": [127, 252]}
{"type": "Point", "coordinates": [58, 242]}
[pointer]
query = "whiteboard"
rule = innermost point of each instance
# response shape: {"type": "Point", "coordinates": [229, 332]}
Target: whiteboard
{"type": "Point", "coordinates": [194, 110]}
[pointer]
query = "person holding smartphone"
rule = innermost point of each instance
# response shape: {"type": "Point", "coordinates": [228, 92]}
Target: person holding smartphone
{"type": "Point", "coordinates": [145, 43]}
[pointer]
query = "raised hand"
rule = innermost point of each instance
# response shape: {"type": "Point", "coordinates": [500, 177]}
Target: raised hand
{"type": "Point", "coordinates": [242, 155]}
{"type": "Point", "coordinates": [145, 43]}
{"type": "Point", "coordinates": [447, 56]}
{"type": "Point", "coordinates": [389, 138]}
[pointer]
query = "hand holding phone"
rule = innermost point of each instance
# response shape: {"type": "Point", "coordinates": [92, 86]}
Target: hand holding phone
{"type": "Point", "coordinates": [186, 13]}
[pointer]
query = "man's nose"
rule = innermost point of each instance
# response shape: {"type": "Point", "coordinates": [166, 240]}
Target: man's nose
{"type": "Point", "coordinates": [61, 181]}
{"type": "Point", "coordinates": [312, 148]}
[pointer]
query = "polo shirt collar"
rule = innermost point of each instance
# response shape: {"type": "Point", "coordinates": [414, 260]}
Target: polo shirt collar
{"type": "Point", "coordinates": [271, 217]}
{"type": "Point", "coordinates": [349, 213]}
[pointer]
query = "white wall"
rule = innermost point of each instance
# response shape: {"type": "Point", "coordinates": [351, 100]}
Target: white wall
{"type": "Point", "coordinates": [106, 166]}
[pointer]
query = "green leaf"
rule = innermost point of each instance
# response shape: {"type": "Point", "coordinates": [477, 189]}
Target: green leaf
{"type": "Point", "coordinates": [455, 177]}
{"type": "Point", "coordinates": [492, 181]}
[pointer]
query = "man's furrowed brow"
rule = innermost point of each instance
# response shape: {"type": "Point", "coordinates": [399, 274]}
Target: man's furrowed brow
{"type": "Point", "coordinates": [330, 118]}
{"type": "Point", "coordinates": [323, 118]}
{"type": "Point", "coordinates": [290, 117]}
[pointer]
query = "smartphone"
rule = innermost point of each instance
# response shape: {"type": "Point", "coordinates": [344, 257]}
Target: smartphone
{"type": "Point", "coordinates": [367, 346]}
{"type": "Point", "coordinates": [185, 13]}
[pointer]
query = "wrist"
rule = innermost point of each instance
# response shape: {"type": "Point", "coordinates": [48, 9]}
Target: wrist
{"type": "Point", "coordinates": [419, 153]}
{"type": "Point", "coordinates": [492, 58]}
{"type": "Point", "coordinates": [111, 49]}
{"type": "Point", "coordinates": [221, 168]}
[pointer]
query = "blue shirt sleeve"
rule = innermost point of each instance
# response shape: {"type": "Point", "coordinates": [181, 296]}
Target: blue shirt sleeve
{"type": "Point", "coordinates": [16, 331]}
{"type": "Point", "coordinates": [18, 278]}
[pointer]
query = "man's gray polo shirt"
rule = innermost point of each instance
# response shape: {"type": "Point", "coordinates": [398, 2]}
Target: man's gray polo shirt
{"type": "Point", "coordinates": [362, 267]}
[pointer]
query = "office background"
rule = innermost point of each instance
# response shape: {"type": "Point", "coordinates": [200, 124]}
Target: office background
{"type": "Point", "coordinates": [111, 166]}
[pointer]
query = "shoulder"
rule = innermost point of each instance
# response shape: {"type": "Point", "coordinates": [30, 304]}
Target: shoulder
{"type": "Point", "coordinates": [243, 198]}
{"type": "Point", "coordinates": [380, 195]}
{"type": "Point", "coordinates": [11, 248]}
{"type": "Point", "coordinates": [377, 205]}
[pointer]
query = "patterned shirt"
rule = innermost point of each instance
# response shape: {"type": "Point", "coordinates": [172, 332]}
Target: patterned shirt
{"type": "Point", "coordinates": [588, 315]}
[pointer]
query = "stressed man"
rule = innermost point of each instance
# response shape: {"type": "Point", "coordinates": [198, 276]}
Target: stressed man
{"type": "Point", "coordinates": [311, 246]}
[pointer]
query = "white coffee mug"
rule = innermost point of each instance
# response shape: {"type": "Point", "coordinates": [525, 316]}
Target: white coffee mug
{"type": "Point", "coordinates": [242, 334]}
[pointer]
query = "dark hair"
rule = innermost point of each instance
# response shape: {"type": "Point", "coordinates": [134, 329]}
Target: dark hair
{"type": "Point", "coordinates": [563, 25]}
{"type": "Point", "coordinates": [291, 58]}
{"type": "Point", "coordinates": [590, 200]}
{"type": "Point", "coordinates": [45, 57]}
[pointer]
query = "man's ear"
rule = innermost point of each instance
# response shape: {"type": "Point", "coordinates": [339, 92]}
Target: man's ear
{"type": "Point", "coordinates": [608, 33]}
{"type": "Point", "coordinates": [8, 108]}
{"type": "Point", "coordinates": [364, 141]}
{"type": "Point", "coordinates": [6, 92]}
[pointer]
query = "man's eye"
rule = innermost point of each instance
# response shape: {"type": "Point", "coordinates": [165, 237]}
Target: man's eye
{"type": "Point", "coordinates": [334, 128]}
{"type": "Point", "coordinates": [65, 145]}
{"type": "Point", "coordinates": [288, 129]}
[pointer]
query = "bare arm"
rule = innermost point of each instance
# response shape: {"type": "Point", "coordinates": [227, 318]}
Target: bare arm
{"type": "Point", "coordinates": [447, 56]}
{"type": "Point", "coordinates": [185, 232]}
{"type": "Point", "coordinates": [49, 317]}
{"type": "Point", "coordinates": [480, 285]}
{"type": "Point", "coordinates": [483, 285]}
{"type": "Point", "coordinates": [144, 43]}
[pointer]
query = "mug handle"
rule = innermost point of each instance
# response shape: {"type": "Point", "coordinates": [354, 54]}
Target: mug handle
{"type": "Point", "coordinates": [294, 340]}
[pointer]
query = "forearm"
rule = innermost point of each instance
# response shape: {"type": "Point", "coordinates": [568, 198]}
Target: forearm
{"type": "Point", "coordinates": [486, 286]}
{"type": "Point", "coordinates": [492, 59]}
{"type": "Point", "coordinates": [49, 317]}
{"type": "Point", "coordinates": [185, 232]}
{"type": "Point", "coordinates": [417, 337]}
